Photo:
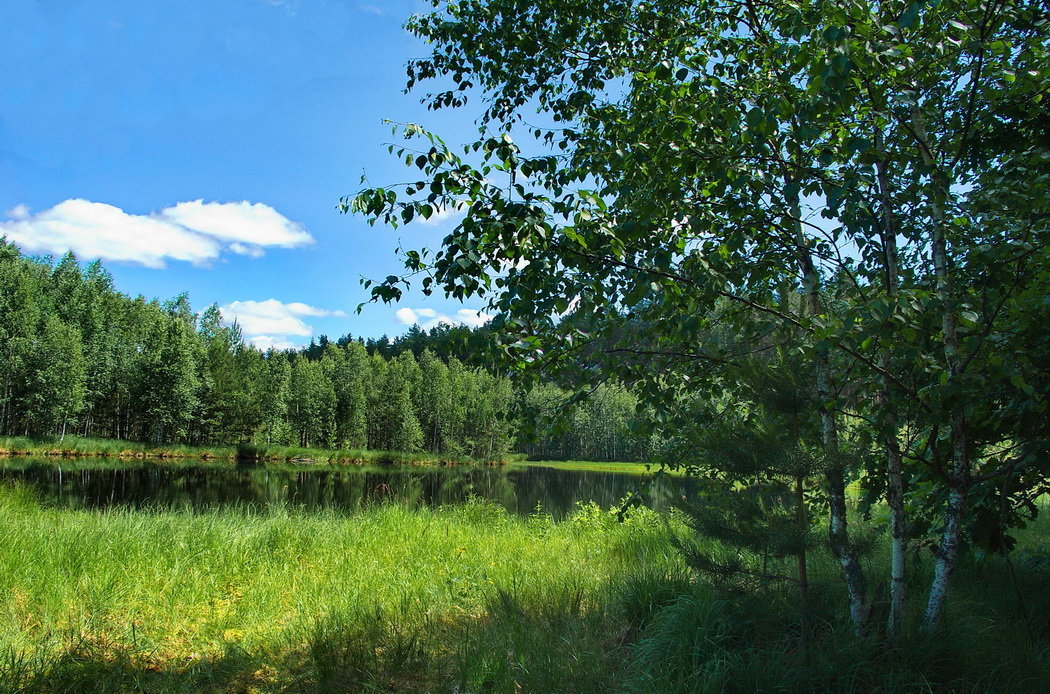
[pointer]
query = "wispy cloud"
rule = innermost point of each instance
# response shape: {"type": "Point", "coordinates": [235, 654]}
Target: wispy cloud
{"type": "Point", "coordinates": [271, 322]}
{"type": "Point", "coordinates": [290, 5]}
{"type": "Point", "coordinates": [428, 318]}
{"type": "Point", "coordinates": [196, 232]}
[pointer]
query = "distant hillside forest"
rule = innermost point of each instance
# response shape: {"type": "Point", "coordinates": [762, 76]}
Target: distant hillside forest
{"type": "Point", "coordinates": [77, 356]}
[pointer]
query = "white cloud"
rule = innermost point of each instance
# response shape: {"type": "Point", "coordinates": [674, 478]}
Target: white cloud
{"type": "Point", "coordinates": [371, 9]}
{"type": "Point", "coordinates": [411, 316]}
{"type": "Point", "coordinates": [428, 318]}
{"type": "Point", "coordinates": [18, 212]}
{"type": "Point", "coordinates": [195, 232]}
{"type": "Point", "coordinates": [265, 342]}
{"type": "Point", "coordinates": [474, 319]}
{"type": "Point", "coordinates": [269, 323]}
{"type": "Point", "coordinates": [244, 224]}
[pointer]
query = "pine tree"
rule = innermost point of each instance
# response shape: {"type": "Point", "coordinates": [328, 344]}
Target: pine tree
{"type": "Point", "coordinates": [756, 448]}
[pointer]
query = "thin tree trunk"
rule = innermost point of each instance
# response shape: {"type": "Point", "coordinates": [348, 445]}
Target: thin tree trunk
{"type": "Point", "coordinates": [3, 411]}
{"type": "Point", "coordinates": [888, 423]}
{"type": "Point", "coordinates": [838, 531]}
{"type": "Point", "coordinates": [947, 553]}
{"type": "Point", "coordinates": [959, 475]}
{"type": "Point", "coordinates": [898, 534]}
{"type": "Point", "coordinates": [838, 535]}
{"type": "Point", "coordinates": [959, 481]}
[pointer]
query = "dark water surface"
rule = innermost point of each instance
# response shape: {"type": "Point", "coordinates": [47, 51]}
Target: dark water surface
{"type": "Point", "coordinates": [101, 482]}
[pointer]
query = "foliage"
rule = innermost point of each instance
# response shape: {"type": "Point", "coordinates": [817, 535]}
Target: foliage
{"type": "Point", "coordinates": [863, 184]}
{"type": "Point", "coordinates": [79, 356]}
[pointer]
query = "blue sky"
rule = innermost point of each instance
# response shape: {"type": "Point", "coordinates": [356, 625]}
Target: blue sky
{"type": "Point", "coordinates": [202, 146]}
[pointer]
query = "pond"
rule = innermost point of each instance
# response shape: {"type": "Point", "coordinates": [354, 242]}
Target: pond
{"type": "Point", "coordinates": [101, 482]}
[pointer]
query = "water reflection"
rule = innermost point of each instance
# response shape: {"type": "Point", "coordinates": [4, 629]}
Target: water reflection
{"type": "Point", "coordinates": [99, 483]}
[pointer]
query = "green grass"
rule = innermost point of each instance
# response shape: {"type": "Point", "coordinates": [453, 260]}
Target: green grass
{"type": "Point", "coordinates": [76, 446]}
{"type": "Point", "coordinates": [388, 598]}
{"type": "Point", "coordinates": [459, 599]}
{"type": "Point", "coordinates": [591, 466]}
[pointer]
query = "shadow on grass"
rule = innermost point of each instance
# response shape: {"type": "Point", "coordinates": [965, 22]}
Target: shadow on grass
{"type": "Point", "coordinates": [653, 632]}
{"type": "Point", "coordinates": [94, 669]}
{"type": "Point", "coordinates": [542, 643]}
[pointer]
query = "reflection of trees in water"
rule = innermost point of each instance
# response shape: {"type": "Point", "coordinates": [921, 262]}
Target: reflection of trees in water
{"type": "Point", "coordinates": [558, 491]}
{"type": "Point", "coordinates": [98, 484]}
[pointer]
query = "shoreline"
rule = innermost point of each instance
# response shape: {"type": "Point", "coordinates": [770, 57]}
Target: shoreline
{"type": "Point", "coordinates": [76, 447]}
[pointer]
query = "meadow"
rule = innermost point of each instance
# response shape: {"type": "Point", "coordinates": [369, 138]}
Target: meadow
{"type": "Point", "coordinates": [465, 598]}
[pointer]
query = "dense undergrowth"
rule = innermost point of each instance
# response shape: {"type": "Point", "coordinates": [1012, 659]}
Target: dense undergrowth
{"type": "Point", "coordinates": [458, 599]}
{"type": "Point", "coordinates": [76, 446]}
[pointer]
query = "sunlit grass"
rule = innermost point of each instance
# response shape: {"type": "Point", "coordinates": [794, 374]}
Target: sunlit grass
{"type": "Point", "coordinates": [171, 590]}
{"type": "Point", "coordinates": [464, 599]}
{"type": "Point", "coordinates": [592, 466]}
{"type": "Point", "coordinates": [76, 446]}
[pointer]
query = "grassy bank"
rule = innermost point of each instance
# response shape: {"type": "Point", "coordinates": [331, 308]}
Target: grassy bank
{"type": "Point", "coordinates": [461, 599]}
{"type": "Point", "coordinates": [591, 466]}
{"type": "Point", "coordinates": [75, 446]}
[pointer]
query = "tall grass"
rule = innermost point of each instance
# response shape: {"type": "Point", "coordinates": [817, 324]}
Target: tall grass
{"type": "Point", "coordinates": [459, 599]}
{"type": "Point", "coordinates": [76, 446]}
{"type": "Point", "coordinates": [390, 597]}
{"type": "Point", "coordinates": [996, 635]}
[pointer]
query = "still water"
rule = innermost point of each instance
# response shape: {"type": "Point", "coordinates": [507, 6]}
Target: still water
{"type": "Point", "coordinates": [100, 482]}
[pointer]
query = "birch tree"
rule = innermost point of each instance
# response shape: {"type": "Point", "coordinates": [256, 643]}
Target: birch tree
{"type": "Point", "coordinates": [812, 165]}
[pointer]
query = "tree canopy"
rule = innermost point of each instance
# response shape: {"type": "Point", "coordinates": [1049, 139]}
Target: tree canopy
{"type": "Point", "coordinates": [860, 184]}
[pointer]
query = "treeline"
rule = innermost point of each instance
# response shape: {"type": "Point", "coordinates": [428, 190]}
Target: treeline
{"type": "Point", "coordinates": [444, 341]}
{"type": "Point", "coordinates": [77, 356]}
{"type": "Point", "coordinates": [601, 426]}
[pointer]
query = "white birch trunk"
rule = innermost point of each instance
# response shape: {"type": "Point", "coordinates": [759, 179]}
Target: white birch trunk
{"type": "Point", "coordinates": [959, 476]}
{"type": "Point", "coordinates": [838, 531]}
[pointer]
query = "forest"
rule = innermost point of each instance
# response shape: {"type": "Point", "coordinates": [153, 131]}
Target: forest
{"type": "Point", "coordinates": [79, 357]}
